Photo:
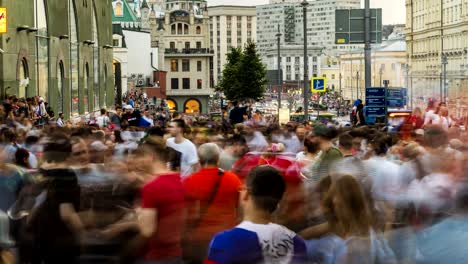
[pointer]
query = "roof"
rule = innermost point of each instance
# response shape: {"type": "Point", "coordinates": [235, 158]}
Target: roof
{"type": "Point", "coordinates": [128, 14]}
{"type": "Point", "coordinates": [117, 29]}
{"type": "Point", "coordinates": [144, 4]}
{"type": "Point", "coordinates": [386, 46]}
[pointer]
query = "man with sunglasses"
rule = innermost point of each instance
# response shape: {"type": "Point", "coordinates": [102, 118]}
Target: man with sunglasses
{"type": "Point", "coordinates": [257, 239]}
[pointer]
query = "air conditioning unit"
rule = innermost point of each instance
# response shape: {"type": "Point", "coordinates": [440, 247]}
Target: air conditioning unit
{"type": "Point", "coordinates": [133, 76]}
{"type": "Point", "coordinates": [140, 76]}
{"type": "Point", "coordinates": [140, 82]}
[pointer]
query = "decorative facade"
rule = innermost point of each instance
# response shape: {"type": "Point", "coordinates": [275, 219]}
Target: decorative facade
{"type": "Point", "coordinates": [60, 50]}
{"type": "Point", "coordinates": [437, 31]}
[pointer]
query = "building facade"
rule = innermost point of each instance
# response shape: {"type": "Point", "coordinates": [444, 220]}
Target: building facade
{"type": "Point", "coordinates": [437, 31]}
{"type": "Point", "coordinates": [287, 17]}
{"type": "Point", "coordinates": [230, 27]}
{"type": "Point", "coordinates": [60, 50]}
{"type": "Point", "coordinates": [388, 63]}
{"type": "Point", "coordinates": [183, 38]}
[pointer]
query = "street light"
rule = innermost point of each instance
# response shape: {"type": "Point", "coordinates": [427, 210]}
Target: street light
{"type": "Point", "coordinates": [304, 5]}
{"type": "Point", "coordinates": [280, 86]}
{"type": "Point", "coordinates": [444, 63]}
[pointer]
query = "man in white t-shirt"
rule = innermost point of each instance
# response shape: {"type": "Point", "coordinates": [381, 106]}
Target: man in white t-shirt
{"type": "Point", "coordinates": [189, 161]}
{"type": "Point", "coordinates": [103, 120]}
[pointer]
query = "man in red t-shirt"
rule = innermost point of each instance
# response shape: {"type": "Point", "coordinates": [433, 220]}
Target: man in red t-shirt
{"type": "Point", "coordinates": [161, 219]}
{"type": "Point", "coordinates": [212, 197]}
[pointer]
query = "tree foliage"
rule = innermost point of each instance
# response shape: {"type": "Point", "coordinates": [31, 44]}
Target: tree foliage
{"type": "Point", "coordinates": [244, 75]}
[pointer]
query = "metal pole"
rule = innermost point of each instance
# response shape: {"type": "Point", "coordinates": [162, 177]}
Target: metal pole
{"type": "Point", "coordinates": [367, 45]}
{"type": "Point", "coordinates": [357, 85]}
{"type": "Point", "coordinates": [304, 5]}
{"type": "Point", "coordinates": [445, 62]}
{"type": "Point", "coordinates": [441, 88]}
{"type": "Point", "coordinates": [280, 86]}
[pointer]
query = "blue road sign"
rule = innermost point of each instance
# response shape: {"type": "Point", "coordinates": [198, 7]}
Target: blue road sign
{"type": "Point", "coordinates": [375, 101]}
{"type": "Point", "coordinates": [373, 92]}
{"type": "Point", "coordinates": [319, 84]}
{"type": "Point", "coordinates": [375, 111]}
{"type": "Point", "coordinates": [395, 102]}
{"type": "Point", "coordinates": [396, 93]}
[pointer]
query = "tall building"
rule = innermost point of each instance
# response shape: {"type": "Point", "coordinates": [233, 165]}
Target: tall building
{"type": "Point", "coordinates": [435, 31]}
{"type": "Point", "coordinates": [230, 27]}
{"type": "Point", "coordinates": [60, 50]}
{"type": "Point", "coordinates": [181, 32]}
{"type": "Point", "coordinates": [288, 16]}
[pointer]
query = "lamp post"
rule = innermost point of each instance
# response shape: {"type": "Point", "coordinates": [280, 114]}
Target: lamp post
{"type": "Point", "coordinates": [444, 63]}
{"type": "Point", "coordinates": [280, 84]}
{"type": "Point", "coordinates": [367, 44]}
{"type": "Point", "coordinates": [304, 5]}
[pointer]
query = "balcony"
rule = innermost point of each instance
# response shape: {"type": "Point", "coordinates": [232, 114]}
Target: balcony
{"type": "Point", "coordinates": [189, 52]}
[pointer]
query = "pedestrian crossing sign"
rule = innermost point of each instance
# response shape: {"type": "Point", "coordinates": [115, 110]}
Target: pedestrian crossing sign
{"type": "Point", "coordinates": [319, 84]}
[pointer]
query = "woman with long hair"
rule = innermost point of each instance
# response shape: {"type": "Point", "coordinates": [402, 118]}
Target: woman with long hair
{"type": "Point", "coordinates": [351, 237]}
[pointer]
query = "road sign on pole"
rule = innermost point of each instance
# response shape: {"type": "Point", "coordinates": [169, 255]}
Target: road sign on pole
{"type": "Point", "coordinates": [350, 26]}
{"type": "Point", "coordinates": [319, 84]}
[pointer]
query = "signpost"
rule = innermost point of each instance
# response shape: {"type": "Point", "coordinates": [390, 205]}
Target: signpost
{"type": "Point", "coordinates": [319, 84]}
{"type": "Point", "coordinates": [379, 99]}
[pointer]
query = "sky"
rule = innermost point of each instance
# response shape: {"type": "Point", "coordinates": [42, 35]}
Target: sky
{"type": "Point", "coordinates": [393, 10]}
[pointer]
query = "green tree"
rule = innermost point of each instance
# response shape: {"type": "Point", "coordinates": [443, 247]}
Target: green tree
{"type": "Point", "coordinates": [229, 83]}
{"type": "Point", "coordinates": [244, 75]}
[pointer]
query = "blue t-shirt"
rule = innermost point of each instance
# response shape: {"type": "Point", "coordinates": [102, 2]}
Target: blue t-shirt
{"type": "Point", "coordinates": [257, 244]}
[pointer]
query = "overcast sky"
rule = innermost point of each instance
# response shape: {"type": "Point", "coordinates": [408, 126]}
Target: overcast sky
{"type": "Point", "coordinates": [393, 10]}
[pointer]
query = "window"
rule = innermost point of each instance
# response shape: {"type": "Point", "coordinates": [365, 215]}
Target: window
{"type": "Point", "coordinates": [288, 59]}
{"type": "Point", "coordinates": [199, 66]}
{"type": "Point", "coordinates": [42, 44]}
{"type": "Point", "coordinates": [179, 29]}
{"type": "Point", "coordinates": [118, 9]}
{"type": "Point", "coordinates": [333, 76]}
{"type": "Point", "coordinates": [198, 45]}
{"type": "Point", "coordinates": [172, 45]}
{"type": "Point", "coordinates": [186, 31]}
{"type": "Point", "coordinates": [185, 65]}
{"type": "Point", "coordinates": [173, 29]}
{"type": "Point", "coordinates": [324, 76]}
{"type": "Point", "coordinates": [314, 59]}
{"type": "Point", "coordinates": [174, 83]}
{"type": "Point", "coordinates": [186, 83]}
{"type": "Point", "coordinates": [60, 88]}
{"type": "Point", "coordinates": [198, 30]}
{"type": "Point", "coordinates": [199, 83]}
{"type": "Point", "coordinates": [115, 42]}
{"type": "Point", "coordinates": [174, 65]}
{"type": "Point", "coordinates": [187, 45]}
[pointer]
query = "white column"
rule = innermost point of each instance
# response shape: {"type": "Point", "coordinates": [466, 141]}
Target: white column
{"type": "Point", "coordinates": [215, 47]}
{"type": "Point", "coordinates": [234, 31]}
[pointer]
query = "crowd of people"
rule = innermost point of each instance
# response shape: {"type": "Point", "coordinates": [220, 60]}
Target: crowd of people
{"type": "Point", "coordinates": [123, 189]}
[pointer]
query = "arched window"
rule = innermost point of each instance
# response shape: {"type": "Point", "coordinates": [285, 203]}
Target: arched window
{"type": "Point", "coordinates": [172, 105]}
{"type": "Point", "coordinates": [60, 89]}
{"type": "Point", "coordinates": [118, 9]}
{"type": "Point", "coordinates": [186, 31]}
{"type": "Point", "coordinates": [86, 89]}
{"type": "Point", "coordinates": [192, 106]}
{"type": "Point", "coordinates": [198, 30]}
{"type": "Point", "coordinates": [23, 78]}
{"type": "Point", "coordinates": [42, 49]}
{"type": "Point", "coordinates": [96, 87]}
{"type": "Point", "coordinates": [74, 70]}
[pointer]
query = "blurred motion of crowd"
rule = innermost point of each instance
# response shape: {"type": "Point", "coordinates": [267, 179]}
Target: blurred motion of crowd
{"type": "Point", "coordinates": [139, 184]}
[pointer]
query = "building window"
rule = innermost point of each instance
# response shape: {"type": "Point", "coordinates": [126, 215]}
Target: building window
{"type": "Point", "coordinates": [198, 45]}
{"type": "Point", "coordinates": [186, 83]}
{"type": "Point", "coordinates": [324, 75]}
{"type": "Point", "coordinates": [199, 66]}
{"type": "Point", "coordinates": [179, 29]}
{"type": "Point", "coordinates": [198, 30]}
{"type": "Point", "coordinates": [118, 9]}
{"type": "Point", "coordinates": [86, 89]}
{"type": "Point", "coordinates": [185, 65]}
{"type": "Point", "coordinates": [60, 88]}
{"type": "Point", "coordinates": [115, 42]}
{"type": "Point", "coordinates": [333, 76]}
{"type": "Point", "coordinates": [172, 45]}
{"type": "Point", "coordinates": [314, 59]}
{"type": "Point", "coordinates": [186, 31]}
{"type": "Point", "coordinates": [187, 45]}
{"type": "Point", "coordinates": [199, 83]}
{"type": "Point", "coordinates": [173, 29]}
{"type": "Point", "coordinates": [174, 65]}
{"type": "Point", "coordinates": [288, 59]}
{"type": "Point", "coordinates": [174, 83]}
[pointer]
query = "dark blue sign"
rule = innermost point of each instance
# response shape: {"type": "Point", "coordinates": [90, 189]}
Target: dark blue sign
{"type": "Point", "coordinates": [396, 93]}
{"type": "Point", "coordinates": [375, 111]}
{"type": "Point", "coordinates": [395, 102]}
{"type": "Point", "coordinates": [318, 84]}
{"type": "Point", "coordinates": [375, 101]}
{"type": "Point", "coordinates": [375, 92]}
